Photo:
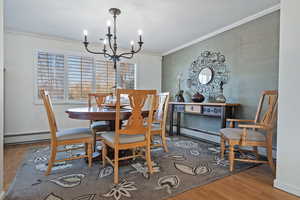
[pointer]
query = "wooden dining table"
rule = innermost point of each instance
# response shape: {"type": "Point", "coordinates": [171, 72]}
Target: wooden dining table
{"type": "Point", "coordinates": [98, 114]}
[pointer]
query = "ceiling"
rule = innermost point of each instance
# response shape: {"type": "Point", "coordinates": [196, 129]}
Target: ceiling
{"type": "Point", "coordinates": [166, 24]}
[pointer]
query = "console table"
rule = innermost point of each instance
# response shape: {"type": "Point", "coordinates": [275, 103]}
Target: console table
{"type": "Point", "coordinates": [219, 110]}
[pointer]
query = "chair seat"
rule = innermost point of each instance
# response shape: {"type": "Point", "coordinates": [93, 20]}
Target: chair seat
{"type": "Point", "coordinates": [124, 139]}
{"type": "Point", "coordinates": [236, 133]}
{"type": "Point", "coordinates": [99, 124]}
{"type": "Point", "coordinates": [155, 127]}
{"type": "Point", "coordinates": [74, 133]}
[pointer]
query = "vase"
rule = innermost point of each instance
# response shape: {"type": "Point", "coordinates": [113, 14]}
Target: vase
{"type": "Point", "coordinates": [220, 98]}
{"type": "Point", "coordinates": [179, 96]}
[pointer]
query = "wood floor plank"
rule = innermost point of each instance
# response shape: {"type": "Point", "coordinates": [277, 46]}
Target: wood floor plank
{"type": "Point", "coordinates": [253, 184]}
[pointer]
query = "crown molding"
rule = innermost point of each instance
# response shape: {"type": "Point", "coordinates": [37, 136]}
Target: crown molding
{"type": "Point", "coordinates": [64, 39]}
{"type": "Point", "coordinates": [226, 28]}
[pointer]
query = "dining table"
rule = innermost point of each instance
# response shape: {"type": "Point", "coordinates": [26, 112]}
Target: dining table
{"type": "Point", "coordinates": [98, 114]}
{"type": "Point", "coordinates": [102, 113]}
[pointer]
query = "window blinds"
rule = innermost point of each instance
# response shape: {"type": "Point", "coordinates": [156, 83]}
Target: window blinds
{"type": "Point", "coordinates": [50, 75]}
{"type": "Point", "coordinates": [71, 78]}
{"type": "Point", "coordinates": [126, 74]}
{"type": "Point", "coordinates": [80, 77]}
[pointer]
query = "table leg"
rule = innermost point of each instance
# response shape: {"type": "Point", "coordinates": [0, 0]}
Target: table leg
{"type": "Point", "coordinates": [178, 122]}
{"type": "Point", "coordinates": [171, 120]}
{"type": "Point", "coordinates": [223, 117]}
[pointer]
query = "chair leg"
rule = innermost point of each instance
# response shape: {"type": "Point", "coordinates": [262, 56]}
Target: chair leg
{"type": "Point", "coordinates": [86, 148]}
{"type": "Point", "coordinates": [116, 167]}
{"type": "Point", "coordinates": [270, 158]}
{"type": "Point", "coordinates": [222, 145]}
{"type": "Point", "coordinates": [164, 142]}
{"type": "Point", "coordinates": [231, 157]}
{"type": "Point", "coordinates": [51, 160]}
{"type": "Point", "coordinates": [255, 149]}
{"type": "Point", "coordinates": [134, 153]}
{"type": "Point", "coordinates": [148, 158]}
{"type": "Point", "coordinates": [94, 139]}
{"type": "Point", "coordinates": [90, 154]}
{"type": "Point", "coordinates": [104, 152]}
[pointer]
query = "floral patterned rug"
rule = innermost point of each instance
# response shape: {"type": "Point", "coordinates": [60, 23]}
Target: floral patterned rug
{"type": "Point", "coordinates": [188, 164]}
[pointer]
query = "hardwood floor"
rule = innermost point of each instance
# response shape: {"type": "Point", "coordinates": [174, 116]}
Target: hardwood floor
{"type": "Point", "coordinates": [255, 183]}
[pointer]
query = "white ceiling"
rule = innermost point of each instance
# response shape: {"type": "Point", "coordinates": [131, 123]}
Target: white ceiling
{"type": "Point", "coordinates": [166, 24]}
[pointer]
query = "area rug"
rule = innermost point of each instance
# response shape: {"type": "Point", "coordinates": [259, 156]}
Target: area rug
{"type": "Point", "coordinates": [188, 164]}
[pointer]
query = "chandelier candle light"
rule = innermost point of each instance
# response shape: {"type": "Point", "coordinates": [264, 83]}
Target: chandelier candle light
{"type": "Point", "coordinates": [110, 52]}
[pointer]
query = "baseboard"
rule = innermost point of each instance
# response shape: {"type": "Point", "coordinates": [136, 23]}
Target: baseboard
{"type": "Point", "coordinates": [287, 187]}
{"type": "Point", "coordinates": [2, 194]}
{"type": "Point", "coordinates": [26, 138]}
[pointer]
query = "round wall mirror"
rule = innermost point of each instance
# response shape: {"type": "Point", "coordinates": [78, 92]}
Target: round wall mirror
{"type": "Point", "coordinates": [205, 75]}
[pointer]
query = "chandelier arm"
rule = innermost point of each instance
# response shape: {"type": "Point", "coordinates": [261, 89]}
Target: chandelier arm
{"type": "Point", "coordinates": [124, 54]}
{"type": "Point", "coordinates": [131, 53]}
{"type": "Point", "coordinates": [99, 53]}
{"type": "Point", "coordinates": [128, 57]}
{"type": "Point", "coordinates": [93, 52]}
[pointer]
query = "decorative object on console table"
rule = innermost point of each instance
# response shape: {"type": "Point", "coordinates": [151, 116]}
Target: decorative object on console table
{"type": "Point", "coordinates": [218, 110]}
{"type": "Point", "coordinates": [198, 98]}
{"type": "Point", "coordinates": [207, 73]}
{"type": "Point", "coordinates": [179, 96]}
{"type": "Point", "coordinates": [221, 98]}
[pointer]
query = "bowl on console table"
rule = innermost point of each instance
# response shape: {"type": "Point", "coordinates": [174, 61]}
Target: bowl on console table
{"type": "Point", "coordinates": [198, 98]}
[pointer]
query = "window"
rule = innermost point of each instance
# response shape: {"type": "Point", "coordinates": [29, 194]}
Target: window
{"type": "Point", "coordinates": [50, 75]}
{"type": "Point", "coordinates": [70, 78]}
{"type": "Point", "coordinates": [80, 77]}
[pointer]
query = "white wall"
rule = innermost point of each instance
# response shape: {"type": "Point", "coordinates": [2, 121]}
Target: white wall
{"type": "Point", "coordinates": [21, 114]}
{"type": "Point", "coordinates": [1, 98]}
{"type": "Point", "coordinates": [288, 135]}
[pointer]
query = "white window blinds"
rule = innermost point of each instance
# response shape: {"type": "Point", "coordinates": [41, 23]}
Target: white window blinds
{"type": "Point", "coordinates": [50, 75]}
{"type": "Point", "coordinates": [126, 74]}
{"type": "Point", "coordinates": [105, 76]}
{"type": "Point", "coordinates": [70, 78]}
{"type": "Point", "coordinates": [80, 77]}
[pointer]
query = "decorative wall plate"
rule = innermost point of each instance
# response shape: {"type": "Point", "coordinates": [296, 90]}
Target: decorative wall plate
{"type": "Point", "coordinates": [214, 61]}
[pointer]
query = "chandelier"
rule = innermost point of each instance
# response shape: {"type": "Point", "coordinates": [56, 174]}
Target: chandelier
{"type": "Point", "coordinates": [110, 40]}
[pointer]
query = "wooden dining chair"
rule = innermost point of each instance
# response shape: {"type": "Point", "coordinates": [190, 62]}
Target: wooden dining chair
{"type": "Point", "coordinates": [134, 134]}
{"type": "Point", "coordinates": [98, 126]}
{"type": "Point", "coordinates": [257, 134]}
{"type": "Point", "coordinates": [160, 119]}
{"type": "Point", "coordinates": [65, 137]}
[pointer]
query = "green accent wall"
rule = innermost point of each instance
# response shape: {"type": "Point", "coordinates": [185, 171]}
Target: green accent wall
{"type": "Point", "coordinates": [252, 54]}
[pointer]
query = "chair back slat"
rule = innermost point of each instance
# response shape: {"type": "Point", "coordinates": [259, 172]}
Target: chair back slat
{"type": "Point", "coordinates": [50, 114]}
{"type": "Point", "coordinates": [135, 123]}
{"type": "Point", "coordinates": [99, 98]}
{"type": "Point", "coordinates": [161, 108]}
{"type": "Point", "coordinates": [269, 115]}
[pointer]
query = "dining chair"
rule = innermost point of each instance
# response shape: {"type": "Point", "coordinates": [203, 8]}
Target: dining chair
{"type": "Point", "coordinates": [257, 134]}
{"type": "Point", "coordinates": [135, 133]}
{"type": "Point", "coordinates": [160, 119]}
{"type": "Point", "coordinates": [65, 137]}
{"type": "Point", "coordinates": [98, 127]}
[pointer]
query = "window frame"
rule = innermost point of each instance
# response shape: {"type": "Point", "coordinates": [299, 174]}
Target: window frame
{"type": "Point", "coordinates": [67, 54]}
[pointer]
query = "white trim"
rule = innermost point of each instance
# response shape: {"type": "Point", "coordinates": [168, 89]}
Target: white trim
{"type": "Point", "coordinates": [2, 195]}
{"type": "Point", "coordinates": [287, 187]}
{"type": "Point", "coordinates": [226, 28]}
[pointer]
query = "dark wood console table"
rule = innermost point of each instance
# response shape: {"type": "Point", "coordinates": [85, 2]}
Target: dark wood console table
{"type": "Point", "coordinates": [219, 110]}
